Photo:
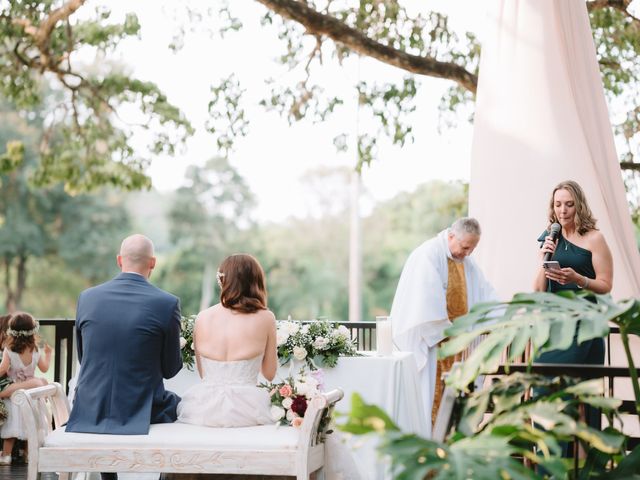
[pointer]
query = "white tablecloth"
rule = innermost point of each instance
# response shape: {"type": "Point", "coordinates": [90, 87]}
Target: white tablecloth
{"type": "Point", "coordinates": [390, 382]}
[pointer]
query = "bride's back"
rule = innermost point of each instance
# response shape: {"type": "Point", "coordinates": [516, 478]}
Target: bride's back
{"type": "Point", "coordinates": [240, 327]}
{"type": "Point", "coordinates": [225, 335]}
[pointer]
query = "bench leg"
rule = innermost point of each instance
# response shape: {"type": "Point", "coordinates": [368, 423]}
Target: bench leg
{"type": "Point", "coordinates": [32, 471]}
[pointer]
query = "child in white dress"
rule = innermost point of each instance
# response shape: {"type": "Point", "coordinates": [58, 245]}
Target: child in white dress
{"type": "Point", "coordinates": [19, 360]}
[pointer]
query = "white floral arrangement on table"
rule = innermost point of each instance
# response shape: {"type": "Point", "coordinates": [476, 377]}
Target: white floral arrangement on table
{"type": "Point", "coordinates": [290, 398]}
{"type": "Point", "coordinates": [186, 340]}
{"type": "Point", "coordinates": [316, 341]}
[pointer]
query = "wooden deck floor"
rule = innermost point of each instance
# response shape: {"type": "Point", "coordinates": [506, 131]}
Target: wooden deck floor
{"type": "Point", "coordinates": [19, 472]}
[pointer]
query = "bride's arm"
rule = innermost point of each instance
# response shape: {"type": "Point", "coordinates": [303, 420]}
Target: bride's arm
{"type": "Point", "coordinates": [270, 359]}
{"type": "Point", "coordinates": [195, 346]}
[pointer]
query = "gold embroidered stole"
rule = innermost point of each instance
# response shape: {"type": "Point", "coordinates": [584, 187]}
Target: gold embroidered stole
{"type": "Point", "coordinates": [456, 307]}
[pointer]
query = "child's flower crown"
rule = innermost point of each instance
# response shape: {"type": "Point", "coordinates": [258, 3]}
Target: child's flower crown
{"type": "Point", "coordinates": [23, 333]}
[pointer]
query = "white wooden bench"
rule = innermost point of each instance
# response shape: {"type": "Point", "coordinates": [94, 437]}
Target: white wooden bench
{"type": "Point", "coordinates": [173, 447]}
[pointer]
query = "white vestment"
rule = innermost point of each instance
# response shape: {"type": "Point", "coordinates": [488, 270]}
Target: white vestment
{"type": "Point", "coordinates": [419, 311]}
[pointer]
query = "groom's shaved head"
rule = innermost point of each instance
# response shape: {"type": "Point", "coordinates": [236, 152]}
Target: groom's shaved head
{"type": "Point", "coordinates": [136, 248]}
{"type": "Point", "coordinates": [136, 254]}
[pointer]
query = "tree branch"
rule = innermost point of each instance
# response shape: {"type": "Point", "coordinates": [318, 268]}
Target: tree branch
{"type": "Point", "coordinates": [49, 23]}
{"type": "Point", "coordinates": [620, 5]}
{"type": "Point", "coordinates": [317, 23]}
{"type": "Point", "coordinates": [630, 166]}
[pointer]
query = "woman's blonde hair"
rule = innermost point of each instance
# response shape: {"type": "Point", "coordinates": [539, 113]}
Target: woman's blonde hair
{"type": "Point", "coordinates": [584, 219]}
{"type": "Point", "coordinates": [242, 284]}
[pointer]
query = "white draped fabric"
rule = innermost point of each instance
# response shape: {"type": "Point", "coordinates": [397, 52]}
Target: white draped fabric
{"type": "Point", "coordinates": [541, 118]}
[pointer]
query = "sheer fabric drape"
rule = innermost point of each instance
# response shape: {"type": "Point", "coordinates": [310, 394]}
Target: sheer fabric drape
{"type": "Point", "coordinates": [541, 118]}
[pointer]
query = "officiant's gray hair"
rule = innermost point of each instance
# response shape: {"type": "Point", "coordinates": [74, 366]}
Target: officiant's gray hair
{"type": "Point", "coordinates": [136, 248]}
{"type": "Point", "coordinates": [465, 226]}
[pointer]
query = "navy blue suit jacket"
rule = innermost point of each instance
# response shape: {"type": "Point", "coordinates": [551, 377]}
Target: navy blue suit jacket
{"type": "Point", "coordinates": [128, 340]}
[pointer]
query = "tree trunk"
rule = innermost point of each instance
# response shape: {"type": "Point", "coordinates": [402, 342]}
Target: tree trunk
{"type": "Point", "coordinates": [10, 301]}
{"type": "Point", "coordinates": [21, 279]}
{"type": "Point", "coordinates": [207, 286]}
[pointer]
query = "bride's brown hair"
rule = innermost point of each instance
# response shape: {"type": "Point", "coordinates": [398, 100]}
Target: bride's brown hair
{"type": "Point", "coordinates": [242, 284]}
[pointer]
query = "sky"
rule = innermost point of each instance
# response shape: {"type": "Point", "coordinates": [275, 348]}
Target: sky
{"type": "Point", "coordinates": [275, 156]}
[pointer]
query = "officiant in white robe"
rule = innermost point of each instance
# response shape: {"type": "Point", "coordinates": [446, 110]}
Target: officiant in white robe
{"type": "Point", "coordinates": [439, 282]}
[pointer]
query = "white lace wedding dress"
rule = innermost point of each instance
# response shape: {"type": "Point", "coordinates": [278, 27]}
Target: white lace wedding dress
{"type": "Point", "coordinates": [227, 396]}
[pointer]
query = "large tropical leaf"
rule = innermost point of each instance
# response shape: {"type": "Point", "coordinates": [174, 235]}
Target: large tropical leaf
{"type": "Point", "coordinates": [546, 321]}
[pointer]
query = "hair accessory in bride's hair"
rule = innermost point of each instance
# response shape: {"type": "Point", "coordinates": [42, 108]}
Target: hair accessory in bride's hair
{"type": "Point", "coordinates": [219, 276]}
{"type": "Point", "coordinates": [23, 333]}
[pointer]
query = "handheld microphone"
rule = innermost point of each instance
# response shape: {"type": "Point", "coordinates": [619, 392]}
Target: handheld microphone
{"type": "Point", "coordinates": [554, 231]}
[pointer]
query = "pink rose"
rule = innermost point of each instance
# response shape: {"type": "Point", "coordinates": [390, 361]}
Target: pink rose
{"type": "Point", "coordinates": [297, 421]}
{"type": "Point", "coordinates": [285, 390]}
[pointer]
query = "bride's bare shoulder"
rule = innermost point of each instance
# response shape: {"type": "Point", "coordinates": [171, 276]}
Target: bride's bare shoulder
{"type": "Point", "coordinates": [267, 316]}
{"type": "Point", "coordinates": [209, 312]}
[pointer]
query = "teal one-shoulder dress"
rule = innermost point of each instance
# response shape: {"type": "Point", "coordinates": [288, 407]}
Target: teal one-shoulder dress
{"type": "Point", "coordinates": [592, 351]}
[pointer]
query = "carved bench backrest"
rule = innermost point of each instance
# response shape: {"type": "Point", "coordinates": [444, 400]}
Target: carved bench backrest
{"type": "Point", "coordinates": [42, 408]}
{"type": "Point", "coordinates": [315, 422]}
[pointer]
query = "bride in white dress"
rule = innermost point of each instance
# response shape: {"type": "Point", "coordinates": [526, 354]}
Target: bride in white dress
{"type": "Point", "coordinates": [234, 341]}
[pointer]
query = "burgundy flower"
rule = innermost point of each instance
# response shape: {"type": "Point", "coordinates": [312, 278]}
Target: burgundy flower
{"type": "Point", "coordinates": [299, 405]}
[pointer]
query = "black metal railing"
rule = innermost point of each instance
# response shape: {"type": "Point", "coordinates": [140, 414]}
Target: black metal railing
{"type": "Point", "coordinates": [63, 343]}
{"type": "Point", "coordinates": [364, 333]}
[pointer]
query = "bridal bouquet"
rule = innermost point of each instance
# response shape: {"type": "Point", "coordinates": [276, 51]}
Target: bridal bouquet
{"type": "Point", "coordinates": [186, 340]}
{"type": "Point", "coordinates": [4, 383]}
{"type": "Point", "coordinates": [316, 341]}
{"type": "Point", "coordinates": [289, 398]}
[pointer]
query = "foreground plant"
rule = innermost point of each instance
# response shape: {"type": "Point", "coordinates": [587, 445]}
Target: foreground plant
{"type": "Point", "coordinates": [518, 429]}
{"type": "Point", "coordinates": [521, 426]}
{"type": "Point", "coordinates": [546, 322]}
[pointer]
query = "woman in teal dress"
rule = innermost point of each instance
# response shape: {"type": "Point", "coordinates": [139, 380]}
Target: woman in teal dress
{"type": "Point", "coordinates": [585, 261]}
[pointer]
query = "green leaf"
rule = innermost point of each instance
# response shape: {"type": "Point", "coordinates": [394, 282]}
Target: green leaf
{"type": "Point", "coordinates": [364, 418]}
{"type": "Point", "coordinates": [561, 333]}
{"type": "Point", "coordinates": [628, 468]}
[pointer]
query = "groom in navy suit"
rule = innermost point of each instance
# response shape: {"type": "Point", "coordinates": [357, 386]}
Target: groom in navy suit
{"type": "Point", "coordinates": [128, 340]}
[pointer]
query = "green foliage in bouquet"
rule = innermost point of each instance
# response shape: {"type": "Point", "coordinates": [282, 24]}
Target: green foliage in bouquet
{"type": "Point", "coordinates": [317, 341]}
{"type": "Point", "coordinates": [4, 383]}
{"type": "Point", "coordinates": [186, 340]}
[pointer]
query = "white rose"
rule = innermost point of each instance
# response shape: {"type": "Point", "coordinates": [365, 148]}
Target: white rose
{"type": "Point", "coordinates": [183, 342]}
{"type": "Point", "coordinates": [343, 331]}
{"type": "Point", "coordinates": [292, 328]}
{"type": "Point", "coordinates": [287, 402]}
{"type": "Point", "coordinates": [305, 329]}
{"type": "Point", "coordinates": [301, 388]}
{"type": "Point", "coordinates": [291, 415]}
{"type": "Point", "coordinates": [282, 337]}
{"type": "Point", "coordinates": [299, 353]}
{"type": "Point", "coordinates": [320, 343]}
{"type": "Point", "coordinates": [277, 412]}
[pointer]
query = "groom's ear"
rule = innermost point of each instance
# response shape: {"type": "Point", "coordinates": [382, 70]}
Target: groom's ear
{"type": "Point", "coordinates": [152, 263]}
{"type": "Point", "coordinates": [119, 261]}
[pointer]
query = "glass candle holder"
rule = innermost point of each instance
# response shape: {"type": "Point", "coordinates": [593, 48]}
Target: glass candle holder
{"type": "Point", "coordinates": [384, 337]}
